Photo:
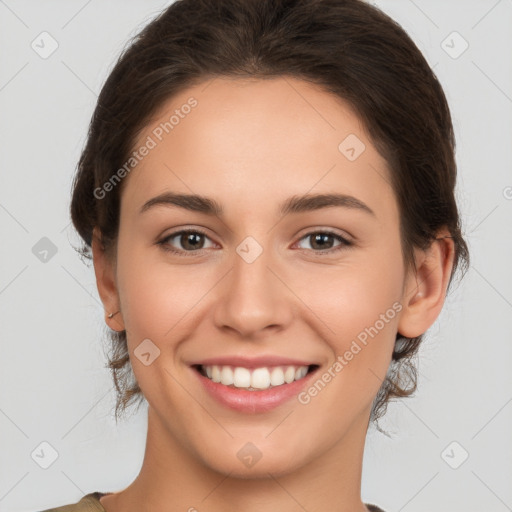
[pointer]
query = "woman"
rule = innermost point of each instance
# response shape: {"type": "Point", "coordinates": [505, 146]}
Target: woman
{"type": "Point", "coordinates": [267, 192]}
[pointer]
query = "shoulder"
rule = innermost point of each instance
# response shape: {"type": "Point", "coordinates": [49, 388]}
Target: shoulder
{"type": "Point", "coordinates": [373, 508]}
{"type": "Point", "coordinates": [89, 503]}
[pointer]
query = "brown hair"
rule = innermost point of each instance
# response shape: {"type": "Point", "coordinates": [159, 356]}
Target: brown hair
{"type": "Point", "coordinates": [348, 48]}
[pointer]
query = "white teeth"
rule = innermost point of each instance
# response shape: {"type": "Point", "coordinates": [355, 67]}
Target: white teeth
{"type": "Point", "coordinates": [289, 374]}
{"type": "Point", "coordinates": [226, 375]}
{"type": "Point", "coordinates": [277, 377]}
{"type": "Point", "coordinates": [215, 374]}
{"type": "Point", "coordinates": [241, 378]}
{"type": "Point", "coordinates": [260, 378]}
{"type": "Point", "coordinates": [257, 378]}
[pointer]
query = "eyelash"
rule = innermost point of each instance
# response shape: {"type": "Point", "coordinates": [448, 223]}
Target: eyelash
{"type": "Point", "coordinates": [166, 247]}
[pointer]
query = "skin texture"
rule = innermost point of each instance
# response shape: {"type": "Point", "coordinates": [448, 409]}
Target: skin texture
{"type": "Point", "coordinates": [251, 144]}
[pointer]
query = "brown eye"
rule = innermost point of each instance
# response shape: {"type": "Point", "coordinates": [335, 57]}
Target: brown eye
{"type": "Point", "coordinates": [324, 241]}
{"type": "Point", "coordinates": [321, 241]}
{"type": "Point", "coordinates": [191, 241]}
{"type": "Point", "coordinates": [185, 241]}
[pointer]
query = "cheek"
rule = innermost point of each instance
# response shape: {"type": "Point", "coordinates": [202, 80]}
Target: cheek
{"type": "Point", "coordinates": [351, 297]}
{"type": "Point", "coordinates": [361, 317]}
{"type": "Point", "coordinates": [357, 307]}
{"type": "Point", "coordinates": [155, 296]}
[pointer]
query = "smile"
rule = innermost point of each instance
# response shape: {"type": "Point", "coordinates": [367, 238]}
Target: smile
{"type": "Point", "coordinates": [254, 388]}
{"type": "Point", "coordinates": [254, 379]}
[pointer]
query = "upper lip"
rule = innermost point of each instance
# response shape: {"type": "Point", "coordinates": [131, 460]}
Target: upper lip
{"type": "Point", "coordinates": [251, 362]}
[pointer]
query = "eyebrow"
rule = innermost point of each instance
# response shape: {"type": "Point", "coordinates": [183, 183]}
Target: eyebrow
{"type": "Point", "coordinates": [294, 204]}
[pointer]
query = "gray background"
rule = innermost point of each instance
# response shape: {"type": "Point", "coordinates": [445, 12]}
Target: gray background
{"type": "Point", "coordinates": [54, 386]}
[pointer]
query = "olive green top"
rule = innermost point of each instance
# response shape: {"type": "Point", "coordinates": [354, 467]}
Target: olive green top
{"type": "Point", "coordinates": [91, 503]}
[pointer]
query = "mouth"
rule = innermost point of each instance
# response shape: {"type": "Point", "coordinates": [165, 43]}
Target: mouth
{"type": "Point", "coordinates": [256, 384]}
{"type": "Point", "coordinates": [254, 379]}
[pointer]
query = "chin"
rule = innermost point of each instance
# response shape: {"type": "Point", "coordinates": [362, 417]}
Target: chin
{"type": "Point", "coordinates": [245, 461]}
{"type": "Point", "coordinates": [260, 471]}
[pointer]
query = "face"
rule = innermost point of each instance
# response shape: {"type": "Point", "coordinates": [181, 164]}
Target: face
{"type": "Point", "coordinates": [254, 288]}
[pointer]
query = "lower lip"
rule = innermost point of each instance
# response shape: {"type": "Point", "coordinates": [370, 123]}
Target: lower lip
{"type": "Point", "coordinates": [246, 401]}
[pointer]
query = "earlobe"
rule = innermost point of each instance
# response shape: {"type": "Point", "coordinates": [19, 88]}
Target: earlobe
{"type": "Point", "coordinates": [104, 270]}
{"type": "Point", "coordinates": [425, 288]}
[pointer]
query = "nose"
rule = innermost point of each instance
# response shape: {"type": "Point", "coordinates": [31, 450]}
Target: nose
{"type": "Point", "coordinates": [253, 300]}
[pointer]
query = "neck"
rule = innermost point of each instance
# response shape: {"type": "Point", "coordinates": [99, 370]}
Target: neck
{"type": "Point", "coordinates": [173, 479]}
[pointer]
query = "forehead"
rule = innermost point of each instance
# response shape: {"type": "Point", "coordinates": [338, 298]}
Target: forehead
{"type": "Point", "coordinates": [256, 140]}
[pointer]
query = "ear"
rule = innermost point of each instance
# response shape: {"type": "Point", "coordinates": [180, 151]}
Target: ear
{"type": "Point", "coordinates": [104, 269]}
{"type": "Point", "coordinates": [425, 288]}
